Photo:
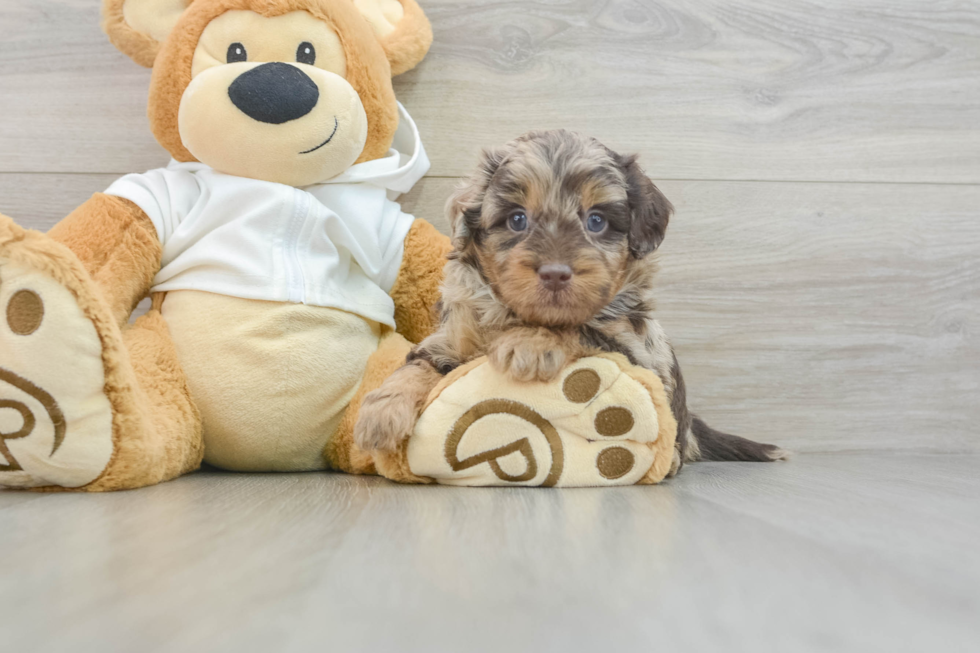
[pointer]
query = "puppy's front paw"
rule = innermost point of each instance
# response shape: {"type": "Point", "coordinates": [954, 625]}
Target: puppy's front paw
{"type": "Point", "coordinates": [385, 420]}
{"type": "Point", "coordinates": [528, 359]}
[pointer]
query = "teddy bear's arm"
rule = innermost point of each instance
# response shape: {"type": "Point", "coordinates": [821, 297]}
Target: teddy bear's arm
{"type": "Point", "coordinates": [416, 290]}
{"type": "Point", "coordinates": [119, 247]}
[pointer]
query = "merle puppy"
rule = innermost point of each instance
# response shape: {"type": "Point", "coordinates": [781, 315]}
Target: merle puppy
{"type": "Point", "coordinates": [553, 239]}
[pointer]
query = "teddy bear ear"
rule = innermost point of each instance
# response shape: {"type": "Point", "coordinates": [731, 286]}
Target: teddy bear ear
{"type": "Point", "coordinates": [402, 29]}
{"type": "Point", "coordinates": [138, 27]}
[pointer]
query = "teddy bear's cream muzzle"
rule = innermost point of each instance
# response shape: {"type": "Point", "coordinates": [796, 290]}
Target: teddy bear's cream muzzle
{"type": "Point", "coordinates": [311, 139]}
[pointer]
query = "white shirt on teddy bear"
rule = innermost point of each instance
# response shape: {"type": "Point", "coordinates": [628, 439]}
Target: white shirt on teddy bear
{"type": "Point", "coordinates": [336, 244]}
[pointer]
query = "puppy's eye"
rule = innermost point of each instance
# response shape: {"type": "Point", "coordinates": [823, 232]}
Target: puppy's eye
{"type": "Point", "coordinates": [517, 222]}
{"type": "Point", "coordinates": [305, 53]}
{"type": "Point", "coordinates": [236, 52]}
{"type": "Point", "coordinates": [595, 223]}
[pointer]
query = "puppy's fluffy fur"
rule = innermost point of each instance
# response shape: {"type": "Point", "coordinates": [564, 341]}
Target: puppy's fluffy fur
{"type": "Point", "coordinates": [553, 236]}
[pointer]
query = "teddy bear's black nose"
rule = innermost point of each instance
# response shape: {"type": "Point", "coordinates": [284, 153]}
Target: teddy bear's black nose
{"type": "Point", "coordinates": [274, 92]}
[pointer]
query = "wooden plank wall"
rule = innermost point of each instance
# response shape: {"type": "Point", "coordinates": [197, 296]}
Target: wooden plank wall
{"type": "Point", "coordinates": [820, 278]}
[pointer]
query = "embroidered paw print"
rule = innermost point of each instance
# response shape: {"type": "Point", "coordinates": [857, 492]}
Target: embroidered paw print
{"type": "Point", "coordinates": [55, 421]}
{"type": "Point", "coordinates": [615, 462]}
{"type": "Point", "coordinates": [582, 386]}
{"type": "Point", "coordinates": [25, 312]}
{"type": "Point", "coordinates": [522, 446]}
{"type": "Point", "coordinates": [594, 425]}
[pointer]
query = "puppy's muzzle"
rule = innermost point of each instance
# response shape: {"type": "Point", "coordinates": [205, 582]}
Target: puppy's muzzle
{"type": "Point", "coordinates": [555, 276]}
{"type": "Point", "coordinates": [274, 93]}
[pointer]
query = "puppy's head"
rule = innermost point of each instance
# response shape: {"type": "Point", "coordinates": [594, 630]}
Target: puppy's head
{"type": "Point", "coordinates": [554, 221]}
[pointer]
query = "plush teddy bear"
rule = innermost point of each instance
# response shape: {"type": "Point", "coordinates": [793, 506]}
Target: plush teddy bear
{"type": "Point", "coordinates": [286, 281]}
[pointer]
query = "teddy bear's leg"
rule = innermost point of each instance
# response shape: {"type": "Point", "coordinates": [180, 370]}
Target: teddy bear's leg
{"type": "Point", "coordinates": [87, 401]}
{"type": "Point", "coordinates": [342, 453]}
{"type": "Point", "coordinates": [602, 422]}
{"type": "Point", "coordinates": [158, 429]}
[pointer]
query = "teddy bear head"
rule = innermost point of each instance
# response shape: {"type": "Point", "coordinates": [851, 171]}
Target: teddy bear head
{"type": "Point", "coordinates": [290, 91]}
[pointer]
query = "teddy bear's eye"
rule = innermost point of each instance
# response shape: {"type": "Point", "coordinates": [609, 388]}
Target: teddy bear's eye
{"type": "Point", "coordinates": [236, 52]}
{"type": "Point", "coordinates": [305, 53]}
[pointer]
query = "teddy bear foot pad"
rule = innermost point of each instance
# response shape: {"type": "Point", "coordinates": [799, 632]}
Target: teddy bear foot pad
{"type": "Point", "coordinates": [55, 418]}
{"type": "Point", "coordinates": [600, 423]}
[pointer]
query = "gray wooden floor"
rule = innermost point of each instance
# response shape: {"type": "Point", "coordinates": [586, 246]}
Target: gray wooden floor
{"type": "Point", "coordinates": [821, 282]}
{"type": "Point", "coordinates": [832, 552]}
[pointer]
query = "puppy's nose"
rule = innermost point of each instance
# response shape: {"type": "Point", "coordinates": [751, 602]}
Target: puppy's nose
{"type": "Point", "coordinates": [274, 92]}
{"type": "Point", "coordinates": [555, 276]}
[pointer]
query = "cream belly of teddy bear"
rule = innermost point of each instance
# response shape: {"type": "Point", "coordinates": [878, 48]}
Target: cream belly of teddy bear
{"type": "Point", "coordinates": [272, 379]}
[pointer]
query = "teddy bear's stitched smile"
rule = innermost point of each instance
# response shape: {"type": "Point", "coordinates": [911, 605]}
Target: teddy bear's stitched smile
{"type": "Point", "coordinates": [329, 138]}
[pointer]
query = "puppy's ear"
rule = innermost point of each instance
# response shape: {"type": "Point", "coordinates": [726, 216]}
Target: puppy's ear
{"type": "Point", "coordinates": [464, 206]}
{"type": "Point", "coordinates": [649, 209]}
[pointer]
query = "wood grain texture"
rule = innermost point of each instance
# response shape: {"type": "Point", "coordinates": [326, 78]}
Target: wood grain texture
{"type": "Point", "coordinates": [821, 317]}
{"type": "Point", "coordinates": [825, 553]}
{"type": "Point", "coordinates": [875, 90]}
{"type": "Point", "coordinates": [39, 201]}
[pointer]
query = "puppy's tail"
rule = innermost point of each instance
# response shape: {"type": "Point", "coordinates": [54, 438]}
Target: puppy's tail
{"type": "Point", "coordinates": [715, 445]}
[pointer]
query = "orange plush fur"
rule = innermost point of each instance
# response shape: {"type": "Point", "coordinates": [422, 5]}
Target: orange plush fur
{"type": "Point", "coordinates": [97, 232]}
{"type": "Point", "coordinates": [417, 288]}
